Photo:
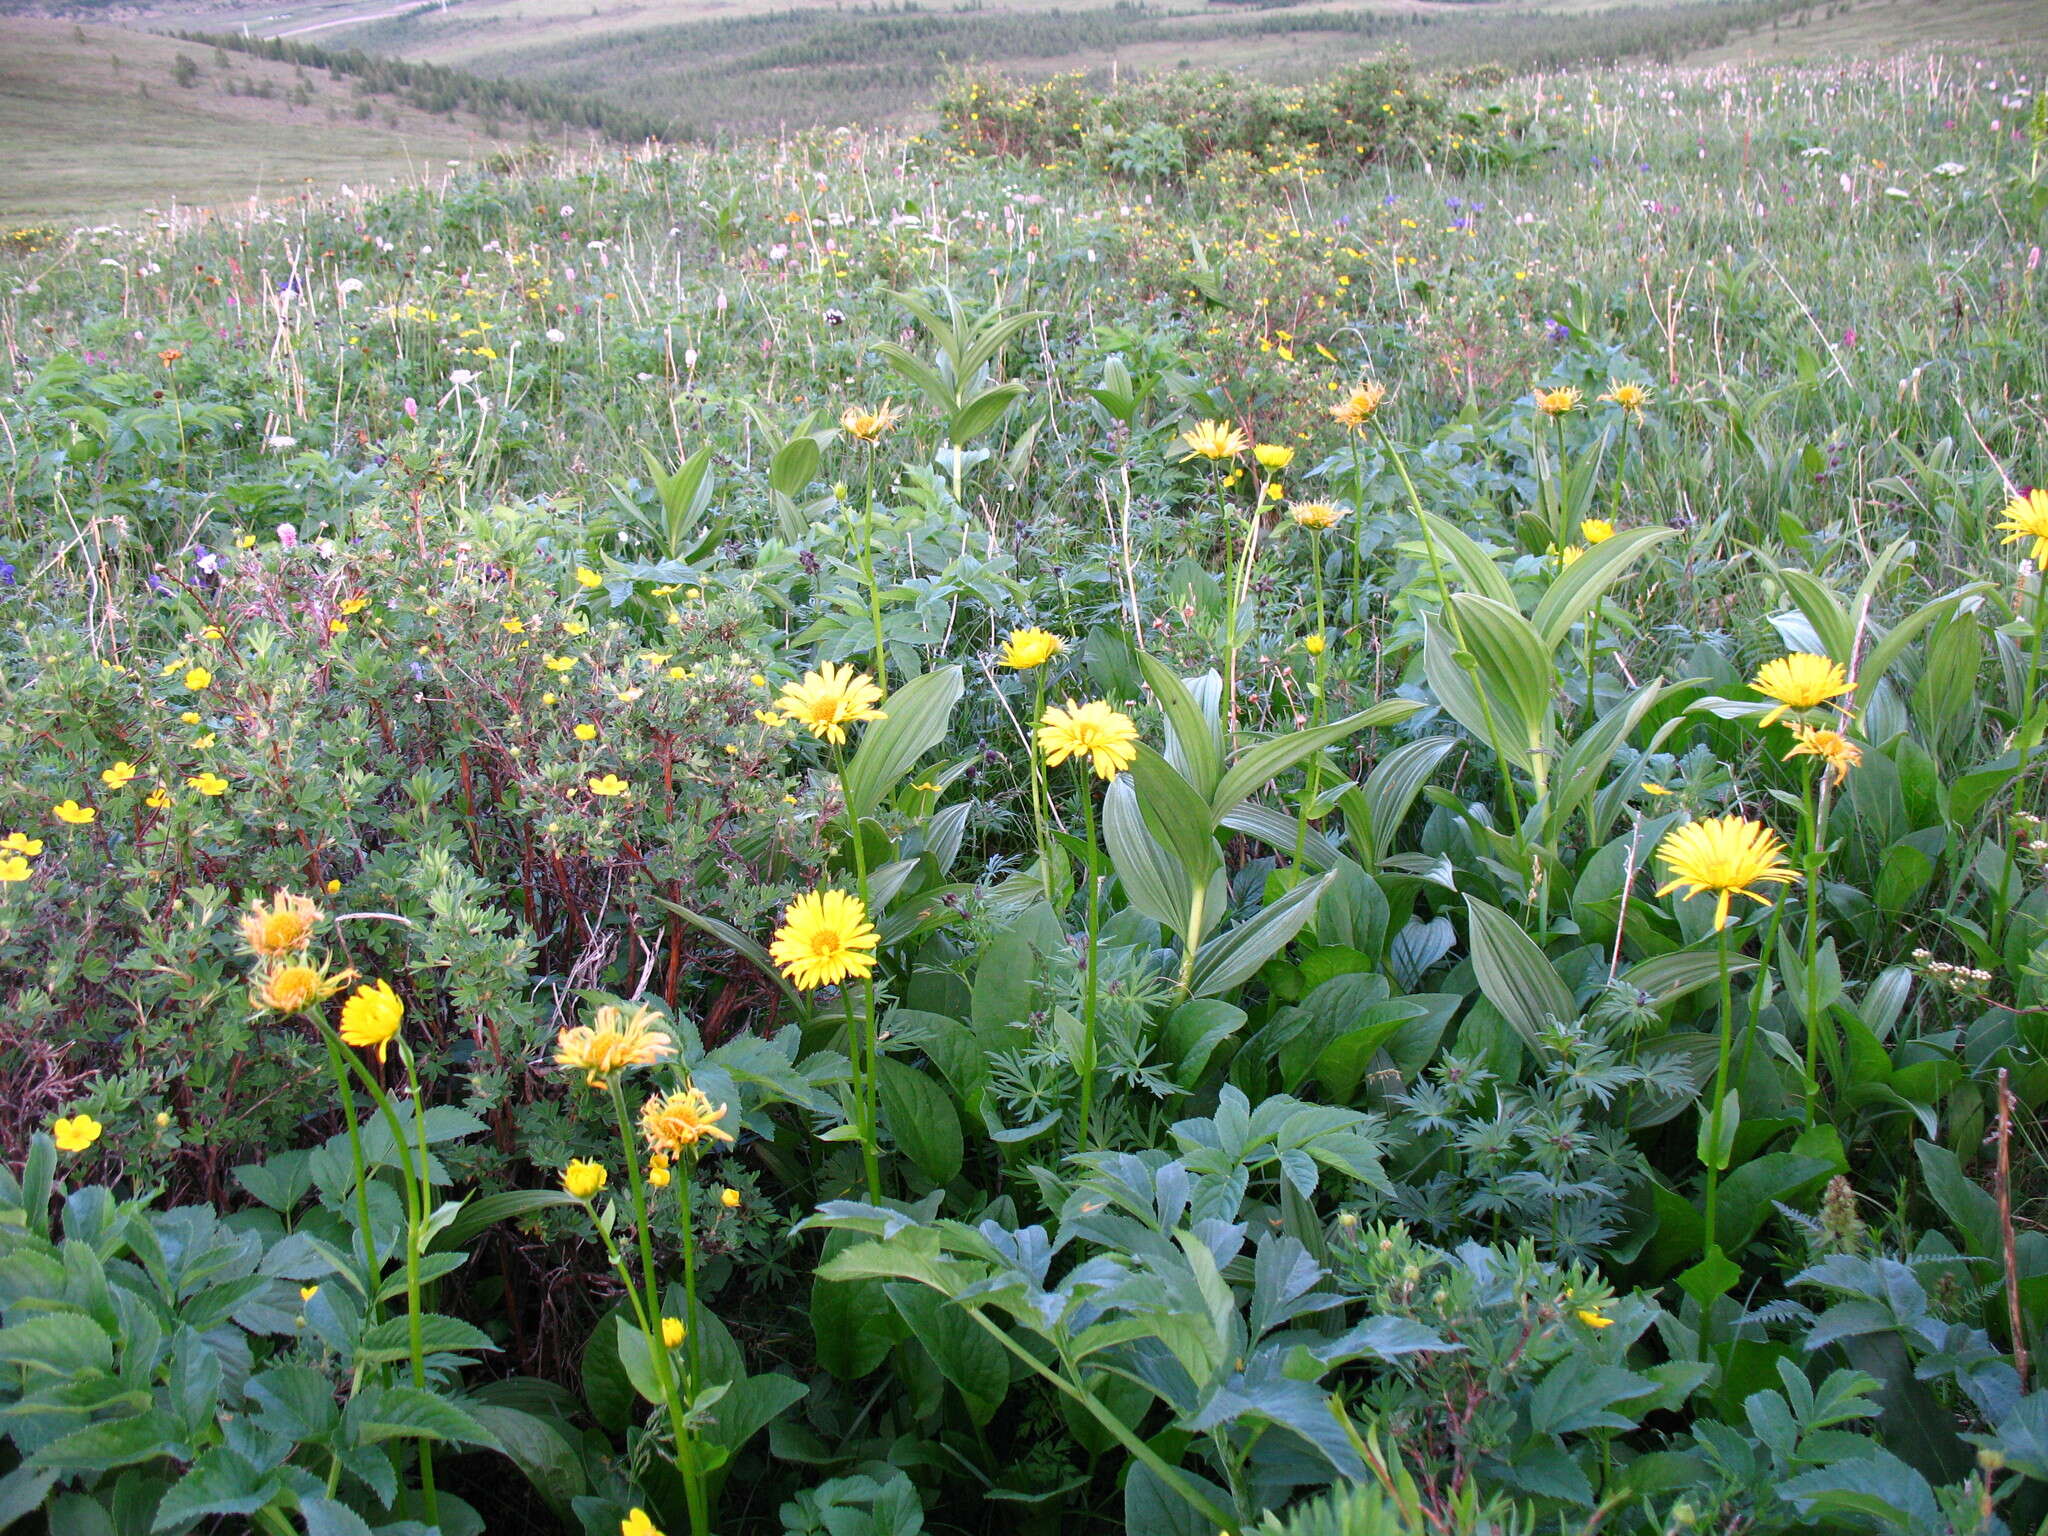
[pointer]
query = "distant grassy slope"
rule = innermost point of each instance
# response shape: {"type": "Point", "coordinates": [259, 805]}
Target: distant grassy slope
{"type": "Point", "coordinates": [1871, 27]}
{"type": "Point", "coordinates": [97, 130]}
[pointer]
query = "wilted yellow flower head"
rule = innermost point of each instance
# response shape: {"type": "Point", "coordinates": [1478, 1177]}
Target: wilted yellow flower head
{"type": "Point", "coordinates": [673, 1122]}
{"type": "Point", "coordinates": [1273, 455]}
{"type": "Point", "coordinates": [2026, 517]}
{"type": "Point", "coordinates": [1726, 855]}
{"type": "Point", "coordinates": [1028, 648]}
{"type": "Point", "coordinates": [1801, 680]}
{"type": "Point", "coordinates": [868, 426]}
{"type": "Point", "coordinates": [1595, 530]}
{"type": "Point", "coordinates": [1593, 1319]}
{"type": "Point", "coordinates": [1568, 556]}
{"type": "Point", "coordinates": [1214, 440]}
{"type": "Point", "coordinates": [1107, 739]}
{"type": "Point", "coordinates": [370, 1018]}
{"type": "Point", "coordinates": [1318, 515]}
{"type": "Point", "coordinates": [825, 937]}
{"type": "Point", "coordinates": [75, 1133]}
{"type": "Point", "coordinates": [1360, 404]}
{"type": "Point", "coordinates": [611, 1042]}
{"type": "Point", "coordinates": [583, 1178]}
{"type": "Point", "coordinates": [293, 986]}
{"type": "Point", "coordinates": [1630, 397]}
{"type": "Point", "coordinates": [282, 928]}
{"type": "Point", "coordinates": [1837, 751]}
{"type": "Point", "coordinates": [1558, 402]}
{"type": "Point", "coordinates": [830, 699]}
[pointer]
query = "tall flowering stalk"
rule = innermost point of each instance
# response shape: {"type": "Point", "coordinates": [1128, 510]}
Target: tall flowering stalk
{"type": "Point", "coordinates": [867, 428]}
{"type": "Point", "coordinates": [1220, 443]}
{"type": "Point", "coordinates": [613, 1043]}
{"type": "Point", "coordinates": [288, 980]}
{"type": "Point", "coordinates": [1725, 856]}
{"type": "Point", "coordinates": [1316, 517]}
{"type": "Point", "coordinates": [824, 941]}
{"type": "Point", "coordinates": [1094, 738]}
{"type": "Point", "coordinates": [2026, 518]}
{"type": "Point", "coordinates": [1358, 413]}
{"type": "Point", "coordinates": [1029, 650]}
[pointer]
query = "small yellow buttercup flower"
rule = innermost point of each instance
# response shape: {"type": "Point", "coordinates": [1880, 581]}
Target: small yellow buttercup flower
{"type": "Point", "coordinates": [2026, 517]}
{"type": "Point", "coordinates": [673, 1333]}
{"type": "Point", "coordinates": [1028, 648]}
{"type": "Point", "coordinates": [1214, 440]}
{"type": "Point", "coordinates": [75, 1133]}
{"type": "Point", "coordinates": [1595, 530]}
{"type": "Point", "coordinates": [1561, 401]}
{"type": "Point", "coordinates": [1103, 736]}
{"type": "Point", "coordinates": [560, 663]}
{"type": "Point", "coordinates": [1315, 645]}
{"type": "Point", "coordinates": [607, 786]}
{"type": "Point", "coordinates": [21, 842]}
{"type": "Point", "coordinates": [14, 869]}
{"type": "Point", "coordinates": [587, 578]}
{"type": "Point", "coordinates": [1317, 515]}
{"type": "Point", "coordinates": [1593, 1319]}
{"type": "Point", "coordinates": [207, 783]}
{"type": "Point", "coordinates": [583, 1178]}
{"type": "Point", "coordinates": [159, 798]}
{"type": "Point", "coordinates": [354, 604]}
{"type": "Point", "coordinates": [729, 1198]}
{"type": "Point", "coordinates": [1801, 680]}
{"type": "Point", "coordinates": [1726, 855]}
{"type": "Point", "coordinates": [282, 928]}
{"type": "Point", "coordinates": [370, 1018]}
{"type": "Point", "coordinates": [307, 1293]}
{"type": "Point", "coordinates": [118, 775]}
{"type": "Point", "coordinates": [636, 1523]}
{"type": "Point", "coordinates": [1273, 455]}
{"type": "Point", "coordinates": [868, 426]}
{"type": "Point", "coordinates": [71, 811]}
{"type": "Point", "coordinates": [825, 937]}
{"type": "Point", "coordinates": [657, 1171]}
{"type": "Point", "coordinates": [827, 701]}
{"type": "Point", "coordinates": [1360, 404]}
{"type": "Point", "coordinates": [513, 626]}
{"type": "Point", "coordinates": [1837, 751]}
{"type": "Point", "coordinates": [586, 731]}
{"type": "Point", "coordinates": [197, 679]}
{"type": "Point", "coordinates": [611, 1042]}
{"type": "Point", "coordinates": [673, 1122]}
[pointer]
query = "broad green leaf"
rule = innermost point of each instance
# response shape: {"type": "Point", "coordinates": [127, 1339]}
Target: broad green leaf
{"type": "Point", "coordinates": [1176, 816]}
{"type": "Point", "coordinates": [1194, 741]}
{"type": "Point", "coordinates": [1514, 974]}
{"type": "Point", "coordinates": [1259, 765]}
{"type": "Point", "coordinates": [1470, 561]}
{"type": "Point", "coordinates": [919, 1114]}
{"type": "Point", "coordinates": [1457, 690]}
{"type": "Point", "coordinates": [1153, 879]}
{"type": "Point", "coordinates": [1514, 664]}
{"type": "Point", "coordinates": [1390, 789]}
{"type": "Point", "coordinates": [1580, 585]}
{"type": "Point", "coordinates": [917, 715]}
{"type": "Point", "coordinates": [1237, 956]}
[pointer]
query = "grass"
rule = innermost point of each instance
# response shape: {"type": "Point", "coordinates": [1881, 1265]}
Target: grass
{"type": "Point", "coordinates": [98, 129]}
{"type": "Point", "coordinates": [726, 66]}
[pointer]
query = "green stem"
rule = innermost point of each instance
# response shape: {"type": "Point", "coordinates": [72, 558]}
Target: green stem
{"type": "Point", "coordinates": [867, 570]}
{"type": "Point", "coordinates": [1816, 840]}
{"type": "Point", "coordinates": [419, 1208]}
{"type": "Point", "coordinates": [1087, 1062]}
{"type": "Point", "coordinates": [692, 1359]}
{"type": "Point", "coordinates": [1038, 785]}
{"type": "Point", "coordinates": [1713, 1158]}
{"type": "Point", "coordinates": [863, 1044]}
{"type": "Point", "coordinates": [650, 1313]}
{"type": "Point", "coordinates": [1317, 703]}
{"type": "Point", "coordinates": [1358, 516]}
{"type": "Point", "coordinates": [1229, 613]}
{"type": "Point", "coordinates": [338, 1067]}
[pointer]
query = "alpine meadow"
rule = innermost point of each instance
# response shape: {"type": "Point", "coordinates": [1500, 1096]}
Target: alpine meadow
{"type": "Point", "coordinates": [1260, 769]}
